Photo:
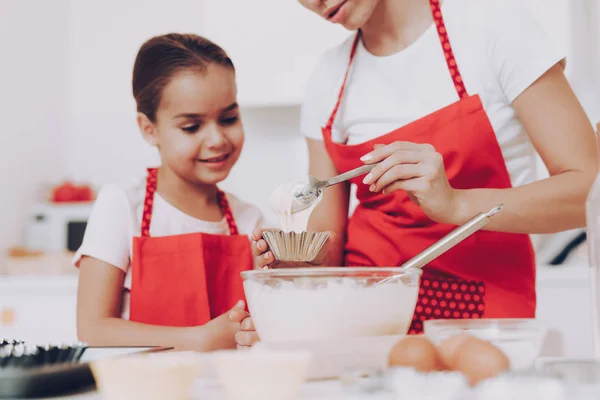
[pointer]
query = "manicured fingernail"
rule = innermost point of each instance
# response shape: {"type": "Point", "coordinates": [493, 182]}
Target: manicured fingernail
{"type": "Point", "coordinates": [372, 188]}
{"type": "Point", "coordinates": [368, 178]}
{"type": "Point", "coordinates": [366, 157]}
{"type": "Point", "coordinates": [266, 256]}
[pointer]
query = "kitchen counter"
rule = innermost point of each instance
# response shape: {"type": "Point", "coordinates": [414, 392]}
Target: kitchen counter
{"type": "Point", "coordinates": [42, 309]}
{"type": "Point", "coordinates": [315, 390]}
{"type": "Point", "coordinates": [329, 390]}
{"type": "Point", "coordinates": [325, 390]}
{"type": "Point", "coordinates": [48, 303]}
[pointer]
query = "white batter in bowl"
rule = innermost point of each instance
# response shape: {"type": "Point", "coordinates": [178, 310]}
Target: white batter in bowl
{"type": "Point", "coordinates": [304, 304]}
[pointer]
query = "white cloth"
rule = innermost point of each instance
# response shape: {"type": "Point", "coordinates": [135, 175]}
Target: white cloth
{"type": "Point", "coordinates": [500, 50]}
{"type": "Point", "coordinates": [116, 219]}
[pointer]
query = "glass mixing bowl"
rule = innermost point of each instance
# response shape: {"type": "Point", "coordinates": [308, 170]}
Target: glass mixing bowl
{"type": "Point", "coordinates": [303, 304]}
{"type": "Point", "coordinates": [520, 339]}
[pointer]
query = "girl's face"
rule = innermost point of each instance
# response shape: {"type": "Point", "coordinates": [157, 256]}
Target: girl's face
{"type": "Point", "coordinates": [198, 130]}
{"type": "Point", "coordinates": [351, 14]}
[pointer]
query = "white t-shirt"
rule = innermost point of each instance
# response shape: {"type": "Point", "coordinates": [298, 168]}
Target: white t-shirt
{"type": "Point", "coordinates": [500, 50]}
{"type": "Point", "coordinates": [116, 219]}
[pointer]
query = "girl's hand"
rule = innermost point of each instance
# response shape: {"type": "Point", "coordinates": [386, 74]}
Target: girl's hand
{"type": "Point", "coordinates": [220, 332]}
{"type": "Point", "coordinates": [246, 337]}
{"type": "Point", "coordinates": [418, 170]}
{"type": "Point", "coordinates": [263, 256]}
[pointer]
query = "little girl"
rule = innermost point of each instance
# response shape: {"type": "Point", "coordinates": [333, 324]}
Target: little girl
{"type": "Point", "coordinates": [161, 259]}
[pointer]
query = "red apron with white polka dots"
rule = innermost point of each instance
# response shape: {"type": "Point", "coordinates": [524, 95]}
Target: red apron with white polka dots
{"type": "Point", "coordinates": [187, 279]}
{"type": "Point", "coordinates": [490, 274]}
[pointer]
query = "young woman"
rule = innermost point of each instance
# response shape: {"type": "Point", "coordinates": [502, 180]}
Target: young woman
{"type": "Point", "coordinates": [451, 100]}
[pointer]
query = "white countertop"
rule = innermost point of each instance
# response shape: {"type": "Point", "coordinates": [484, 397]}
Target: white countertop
{"type": "Point", "coordinates": [326, 390]}
{"type": "Point", "coordinates": [316, 390]}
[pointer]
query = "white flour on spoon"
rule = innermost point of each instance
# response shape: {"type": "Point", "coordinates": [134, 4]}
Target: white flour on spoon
{"type": "Point", "coordinates": [281, 202]}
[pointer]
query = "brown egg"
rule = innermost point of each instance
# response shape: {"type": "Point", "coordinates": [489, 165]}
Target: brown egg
{"type": "Point", "coordinates": [416, 351]}
{"type": "Point", "coordinates": [448, 347]}
{"type": "Point", "coordinates": [479, 360]}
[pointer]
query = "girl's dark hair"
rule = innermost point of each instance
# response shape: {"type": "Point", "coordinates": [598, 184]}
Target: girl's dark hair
{"type": "Point", "coordinates": [161, 57]}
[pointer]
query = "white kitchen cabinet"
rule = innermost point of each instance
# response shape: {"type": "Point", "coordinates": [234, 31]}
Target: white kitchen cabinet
{"type": "Point", "coordinates": [564, 307]}
{"type": "Point", "coordinates": [274, 44]}
{"type": "Point", "coordinates": [38, 309]}
{"type": "Point", "coordinates": [104, 38]}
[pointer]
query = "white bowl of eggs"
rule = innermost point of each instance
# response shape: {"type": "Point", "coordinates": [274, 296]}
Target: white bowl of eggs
{"type": "Point", "coordinates": [520, 340]}
{"type": "Point", "coordinates": [473, 358]}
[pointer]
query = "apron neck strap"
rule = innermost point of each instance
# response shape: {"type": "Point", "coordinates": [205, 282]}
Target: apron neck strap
{"type": "Point", "coordinates": [341, 93]}
{"type": "Point", "coordinates": [149, 202]}
{"type": "Point", "coordinates": [438, 18]}
{"type": "Point", "coordinates": [226, 210]}
{"type": "Point", "coordinates": [459, 85]}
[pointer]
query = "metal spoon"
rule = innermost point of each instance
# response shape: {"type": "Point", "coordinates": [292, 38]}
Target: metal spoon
{"type": "Point", "coordinates": [306, 196]}
{"type": "Point", "coordinates": [446, 243]}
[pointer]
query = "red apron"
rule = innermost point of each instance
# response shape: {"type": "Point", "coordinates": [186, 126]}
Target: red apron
{"type": "Point", "coordinates": [188, 279]}
{"type": "Point", "coordinates": [490, 274]}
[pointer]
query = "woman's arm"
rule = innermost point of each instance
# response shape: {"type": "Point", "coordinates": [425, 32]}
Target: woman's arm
{"type": "Point", "coordinates": [332, 213]}
{"type": "Point", "coordinates": [562, 134]}
{"type": "Point", "coordinates": [99, 323]}
{"type": "Point", "coordinates": [560, 131]}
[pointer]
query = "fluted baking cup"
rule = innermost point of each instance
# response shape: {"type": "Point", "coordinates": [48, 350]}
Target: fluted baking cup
{"type": "Point", "coordinates": [293, 246]}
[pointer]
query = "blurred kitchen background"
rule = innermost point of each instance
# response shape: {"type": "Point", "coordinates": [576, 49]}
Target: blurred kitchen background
{"type": "Point", "coordinates": [67, 113]}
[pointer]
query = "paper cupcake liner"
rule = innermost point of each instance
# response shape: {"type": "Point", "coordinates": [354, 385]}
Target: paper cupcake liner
{"type": "Point", "coordinates": [292, 246]}
{"type": "Point", "coordinates": [17, 354]}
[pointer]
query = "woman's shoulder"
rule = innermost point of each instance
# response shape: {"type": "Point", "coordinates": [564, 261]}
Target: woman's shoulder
{"type": "Point", "coordinates": [489, 16]}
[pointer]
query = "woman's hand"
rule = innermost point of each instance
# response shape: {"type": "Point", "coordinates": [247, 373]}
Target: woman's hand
{"type": "Point", "coordinates": [418, 169]}
{"type": "Point", "coordinates": [263, 256]}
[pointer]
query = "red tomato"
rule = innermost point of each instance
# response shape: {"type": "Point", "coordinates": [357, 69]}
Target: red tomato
{"type": "Point", "coordinates": [67, 192]}
{"type": "Point", "coordinates": [85, 193]}
{"type": "Point", "coordinates": [64, 193]}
